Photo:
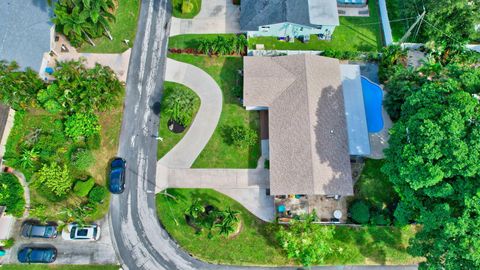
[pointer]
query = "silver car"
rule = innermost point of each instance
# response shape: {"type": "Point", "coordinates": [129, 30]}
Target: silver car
{"type": "Point", "coordinates": [81, 232]}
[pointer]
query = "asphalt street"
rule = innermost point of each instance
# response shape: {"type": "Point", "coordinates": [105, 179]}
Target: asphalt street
{"type": "Point", "coordinates": [140, 241]}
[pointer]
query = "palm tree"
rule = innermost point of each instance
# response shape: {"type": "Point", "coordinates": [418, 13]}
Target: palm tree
{"type": "Point", "coordinates": [241, 43]}
{"type": "Point", "coordinates": [225, 228]}
{"type": "Point", "coordinates": [179, 106]}
{"type": "Point", "coordinates": [195, 209]}
{"type": "Point", "coordinates": [28, 157]}
{"type": "Point", "coordinates": [204, 46]}
{"type": "Point", "coordinates": [230, 216]}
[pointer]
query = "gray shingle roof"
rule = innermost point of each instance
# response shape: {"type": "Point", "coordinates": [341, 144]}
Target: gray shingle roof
{"type": "Point", "coordinates": [255, 13]}
{"type": "Point", "coordinates": [25, 31]}
{"type": "Point", "coordinates": [307, 126]}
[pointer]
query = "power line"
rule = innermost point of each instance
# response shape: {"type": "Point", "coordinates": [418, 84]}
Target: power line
{"type": "Point", "coordinates": [397, 20]}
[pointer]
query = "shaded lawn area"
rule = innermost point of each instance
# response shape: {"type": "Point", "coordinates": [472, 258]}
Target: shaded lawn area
{"type": "Point", "coordinates": [399, 28]}
{"type": "Point", "coordinates": [256, 243]}
{"type": "Point", "coordinates": [58, 267]}
{"type": "Point", "coordinates": [123, 28]}
{"type": "Point", "coordinates": [25, 125]}
{"type": "Point", "coordinates": [353, 34]}
{"type": "Point", "coordinates": [219, 153]}
{"type": "Point", "coordinates": [170, 139]}
{"type": "Point", "coordinates": [177, 9]}
{"type": "Point", "coordinates": [374, 186]}
{"type": "Point", "coordinates": [192, 40]}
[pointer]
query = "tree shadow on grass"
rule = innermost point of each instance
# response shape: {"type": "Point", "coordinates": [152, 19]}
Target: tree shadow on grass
{"type": "Point", "coordinates": [206, 197]}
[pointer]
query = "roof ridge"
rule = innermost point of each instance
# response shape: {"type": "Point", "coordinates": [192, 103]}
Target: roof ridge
{"type": "Point", "coordinates": [293, 76]}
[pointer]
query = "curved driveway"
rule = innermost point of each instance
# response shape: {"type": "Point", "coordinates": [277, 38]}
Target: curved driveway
{"type": "Point", "coordinates": [140, 241]}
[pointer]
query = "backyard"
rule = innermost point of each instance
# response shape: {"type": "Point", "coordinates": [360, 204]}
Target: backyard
{"type": "Point", "coordinates": [353, 34]}
{"type": "Point", "coordinates": [193, 8]}
{"type": "Point", "coordinates": [219, 152]}
{"type": "Point", "coordinates": [123, 28]}
{"type": "Point", "coordinates": [395, 14]}
{"type": "Point", "coordinates": [46, 129]}
{"type": "Point", "coordinates": [256, 243]}
{"type": "Point", "coordinates": [170, 139]}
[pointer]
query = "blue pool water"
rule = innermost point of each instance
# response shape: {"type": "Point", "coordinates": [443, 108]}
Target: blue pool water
{"type": "Point", "coordinates": [372, 98]}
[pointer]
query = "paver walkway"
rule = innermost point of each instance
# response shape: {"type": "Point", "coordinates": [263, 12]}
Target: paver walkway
{"type": "Point", "coordinates": [216, 16]}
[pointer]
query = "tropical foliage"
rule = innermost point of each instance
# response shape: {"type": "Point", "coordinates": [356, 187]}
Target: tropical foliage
{"type": "Point", "coordinates": [180, 106]}
{"type": "Point", "coordinates": [18, 89]}
{"type": "Point", "coordinates": [240, 136]}
{"type": "Point", "coordinates": [215, 221]}
{"type": "Point", "coordinates": [432, 160]}
{"type": "Point", "coordinates": [78, 89]}
{"type": "Point", "coordinates": [54, 178]}
{"type": "Point", "coordinates": [82, 125]}
{"type": "Point", "coordinates": [97, 194]}
{"type": "Point", "coordinates": [11, 194]}
{"type": "Point", "coordinates": [223, 46]}
{"type": "Point", "coordinates": [83, 20]}
{"type": "Point", "coordinates": [83, 187]}
{"type": "Point", "coordinates": [306, 242]}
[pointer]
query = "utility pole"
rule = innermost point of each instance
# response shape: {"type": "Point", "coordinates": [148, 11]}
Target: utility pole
{"type": "Point", "coordinates": [409, 32]}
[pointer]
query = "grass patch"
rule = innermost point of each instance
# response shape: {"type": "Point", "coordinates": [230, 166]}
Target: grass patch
{"type": "Point", "coordinates": [192, 40]}
{"type": "Point", "coordinates": [124, 28]}
{"type": "Point", "coordinates": [256, 243]}
{"type": "Point", "coordinates": [353, 34]}
{"type": "Point", "coordinates": [170, 139]}
{"type": "Point", "coordinates": [56, 147]}
{"type": "Point", "coordinates": [399, 28]}
{"type": "Point", "coordinates": [58, 267]}
{"type": "Point", "coordinates": [374, 186]}
{"type": "Point", "coordinates": [177, 9]}
{"type": "Point", "coordinates": [218, 153]}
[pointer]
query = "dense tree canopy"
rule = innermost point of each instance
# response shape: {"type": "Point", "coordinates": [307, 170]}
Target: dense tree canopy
{"type": "Point", "coordinates": [433, 160]}
{"type": "Point", "coordinates": [11, 194]}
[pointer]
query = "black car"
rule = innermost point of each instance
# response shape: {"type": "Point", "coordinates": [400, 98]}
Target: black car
{"type": "Point", "coordinates": [116, 182]}
{"type": "Point", "coordinates": [39, 231]}
{"type": "Point", "coordinates": [37, 255]}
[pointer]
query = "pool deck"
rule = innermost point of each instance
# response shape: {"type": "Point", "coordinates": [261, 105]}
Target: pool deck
{"type": "Point", "coordinates": [379, 140]}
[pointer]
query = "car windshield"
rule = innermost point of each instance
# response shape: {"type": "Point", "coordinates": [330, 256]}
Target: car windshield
{"type": "Point", "coordinates": [38, 230]}
{"type": "Point", "coordinates": [117, 163]}
{"type": "Point", "coordinates": [82, 232]}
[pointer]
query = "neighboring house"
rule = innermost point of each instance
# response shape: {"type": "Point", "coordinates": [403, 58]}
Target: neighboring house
{"type": "Point", "coordinates": [288, 19]}
{"type": "Point", "coordinates": [26, 33]}
{"type": "Point", "coordinates": [317, 122]}
{"type": "Point", "coordinates": [353, 3]}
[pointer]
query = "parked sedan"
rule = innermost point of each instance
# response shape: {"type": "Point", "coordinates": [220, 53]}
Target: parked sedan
{"type": "Point", "coordinates": [37, 255]}
{"type": "Point", "coordinates": [116, 181]}
{"type": "Point", "coordinates": [78, 232]}
{"type": "Point", "coordinates": [40, 231]}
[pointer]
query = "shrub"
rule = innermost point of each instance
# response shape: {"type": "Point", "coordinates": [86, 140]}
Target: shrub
{"type": "Point", "coordinates": [82, 125]}
{"type": "Point", "coordinates": [241, 136]}
{"type": "Point", "coordinates": [360, 212]}
{"type": "Point", "coordinates": [380, 219]}
{"type": "Point", "coordinates": [82, 159]}
{"type": "Point", "coordinates": [180, 105]}
{"type": "Point", "coordinates": [97, 194]}
{"type": "Point", "coordinates": [82, 188]}
{"type": "Point", "coordinates": [187, 6]}
{"type": "Point", "coordinates": [54, 178]}
{"type": "Point", "coordinates": [11, 194]}
{"type": "Point", "coordinates": [93, 142]}
{"type": "Point", "coordinates": [8, 243]}
{"type": "Point", "coordinates": [238, 91]}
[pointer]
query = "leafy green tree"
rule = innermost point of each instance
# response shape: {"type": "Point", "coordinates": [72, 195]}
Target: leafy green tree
{"type": "Point", "coordinates": [57, 179]}
{"type": "Point", "coordinates": [195, 209]}
{"type": "Point", "coordinates": [81, 125]}
{"type": "Point", "coordinates": [306, 242]}
{"type": "Point", "coordinates": [180, 106]}
{"type": "Point", "coordinates": [18, 88]}
{"type": "Point", "coordinates": [11, 194]}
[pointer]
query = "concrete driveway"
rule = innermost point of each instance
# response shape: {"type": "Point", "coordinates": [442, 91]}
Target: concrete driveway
{"type": "Point", "coordinates": [70, 252]}
{"type": "Point", "coordinates": [216, 16]}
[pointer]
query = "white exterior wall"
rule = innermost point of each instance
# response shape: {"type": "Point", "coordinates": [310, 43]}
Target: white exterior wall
{"type": "Point", "coordinates": [291, 30]}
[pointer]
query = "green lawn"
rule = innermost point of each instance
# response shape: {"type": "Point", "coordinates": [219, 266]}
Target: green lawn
{"type": "Point", "coordinates": [353, 34]}
{"type": "Point", "coordinates": [218, 153]}
{"type": "Point", "coordinates": [170, 139]}
{"type": "Point", "coordinates": [191, 40]}
{"type": "Point", "coordinates": [399, 28]}
{"type": "Point", "coordinates": [374, 186]}
{"type": "Point", "coordinates": [177, 9]}
{"type": "Point", "coordinates": [256, 243]}
{"type": "Point", "coordinates": [123, 28]}
{"type": "Point", "coordinates": [58, 267]}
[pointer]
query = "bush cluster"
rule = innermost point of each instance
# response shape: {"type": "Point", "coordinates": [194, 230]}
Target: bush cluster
{"type": "Point", "coordinates": [351, 55]}
{"type": "Point", "coordinates": [82, 188]}
{"type": "Point", "coordinates": [11, 194]}
{"type": "Point", "coordinates": [240, 136]}
{"type": "Point", "coordinates": [363, 212]}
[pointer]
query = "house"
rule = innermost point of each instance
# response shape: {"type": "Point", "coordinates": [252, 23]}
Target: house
{"type": "Point", "coordinates": [26, 33]}
{"type": "Point", "coordinates": [288, 19]}
{"type": "Point", "coordinates": [316, 124]}
{"type": "Point", "coordinates": [352, 3]}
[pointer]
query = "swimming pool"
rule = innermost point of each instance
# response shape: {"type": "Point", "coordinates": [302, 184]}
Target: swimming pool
{"type": "Point", "coordinates": [372, 100]}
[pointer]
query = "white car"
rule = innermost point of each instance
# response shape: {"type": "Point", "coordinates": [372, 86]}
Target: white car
{"type": "Point", "coordinates": [77, 232]}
